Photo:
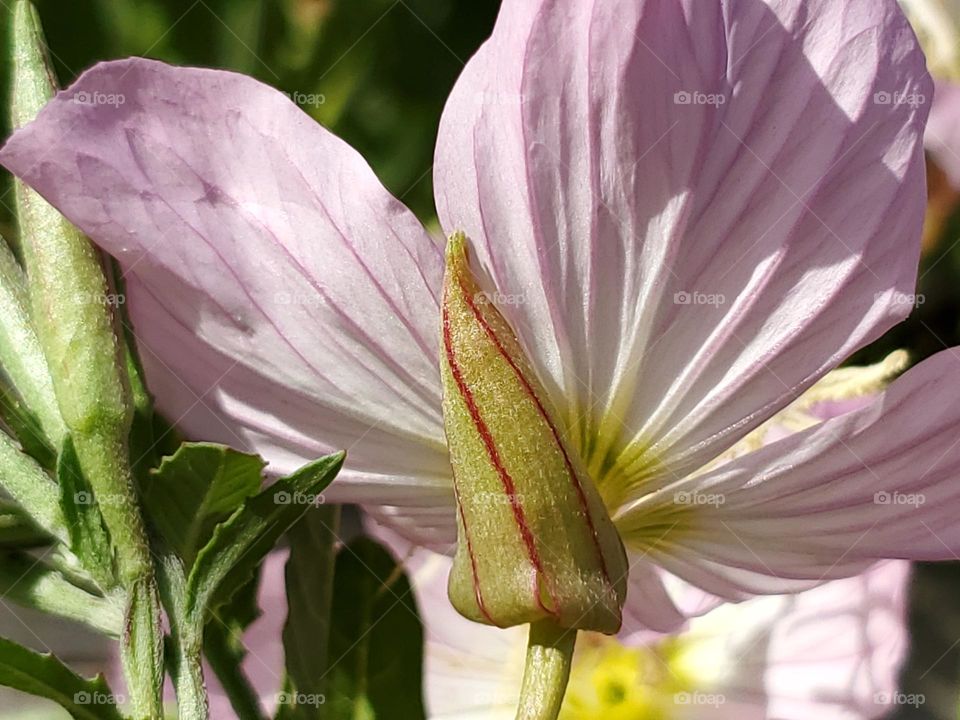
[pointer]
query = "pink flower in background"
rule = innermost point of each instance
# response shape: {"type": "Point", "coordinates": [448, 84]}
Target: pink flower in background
{"type": "Point", "coordinates": [689, 212]}
{"type": "Point", "coordinates": [831, 653]}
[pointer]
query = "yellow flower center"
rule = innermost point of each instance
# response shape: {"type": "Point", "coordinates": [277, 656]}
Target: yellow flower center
{"type": "Point", "coordinates": [612, 682]}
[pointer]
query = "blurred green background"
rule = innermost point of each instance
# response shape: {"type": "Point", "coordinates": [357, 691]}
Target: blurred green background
{"type": "Point", "coordinates": [377, 72]}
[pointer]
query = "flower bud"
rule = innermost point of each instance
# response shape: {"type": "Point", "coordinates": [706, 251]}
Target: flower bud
{"type": "Point", "coordinates": [535, 541]}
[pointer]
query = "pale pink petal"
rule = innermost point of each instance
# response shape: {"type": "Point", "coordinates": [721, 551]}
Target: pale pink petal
{"type": "Point", "coordinates": [831, 653]}
{"type": "Point", "coordinates": [836, 654]}
{"type": "Point", "coordinates": [284, 301]}
{"type": "Point", "coordinates": [880, 482]}
{"type": "Point", "coordinates": [680, 266]}
{"type": "Point", "coordinates": [942, 138]}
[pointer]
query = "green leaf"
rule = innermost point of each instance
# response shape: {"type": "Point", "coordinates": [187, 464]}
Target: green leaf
{"type": "Point", "coordinates": [31, 488]}
{"type": "Point", "coordinates": [241, 542]}
{"type": "Point", "coordinates": [197, 488]}
{"type": "Point", "coordinates": [45, 676]}
{"type": "Point", "coordinates": [24, 425]}
{"type": "Point", "coordinates": [29, 399]}
{"type": "Point", "coordinates": [224, 649]}
{"type": "Point", "coordinates": [88, 536]}
{"type": "Point", "coordinates": [376, 644]}
{"type": "Point", "coordinates": [18, 530]}
{"type": "Point", "coordinates": [33, 583]}
{"type": "Point", "coordinates": [306, 635]}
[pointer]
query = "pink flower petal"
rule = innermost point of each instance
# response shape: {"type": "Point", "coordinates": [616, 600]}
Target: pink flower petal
{"type": "Point", "coordinates": [284, 301]}
{"type": "Point", "coordinates": [831, 653]}
{"type": "Point", "coordinates": [942, 137]}
{"type": "Point", "coordinates": [690, 211]}
{"type": "Point", "coordinates": [880, 482]}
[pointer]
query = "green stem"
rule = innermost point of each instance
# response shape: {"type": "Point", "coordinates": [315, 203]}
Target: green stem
{"type": "Point", "coordinates": [226, 661]}
{"type": "Point", "coordinates": [185, 643]}
{"type": "Point", "coordinates": [549, 655]}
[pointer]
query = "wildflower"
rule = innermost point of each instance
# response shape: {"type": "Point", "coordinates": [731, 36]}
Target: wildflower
{"type": "Point", "coordinates": [685, 218]}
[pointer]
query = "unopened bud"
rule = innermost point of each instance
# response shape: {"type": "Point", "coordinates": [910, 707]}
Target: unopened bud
{"type": "Point", "coordinates": [535, 540]}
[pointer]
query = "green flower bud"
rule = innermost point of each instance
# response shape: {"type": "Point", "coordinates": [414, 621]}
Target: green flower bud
{"type": "Point", "coordinates": [535, 540]}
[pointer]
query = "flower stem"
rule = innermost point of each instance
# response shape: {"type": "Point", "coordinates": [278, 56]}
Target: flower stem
{"type": "Point", "coordinates": [549, 654]}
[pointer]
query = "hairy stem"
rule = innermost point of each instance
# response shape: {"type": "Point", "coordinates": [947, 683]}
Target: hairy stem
{"type": "Point", "coordinates": [549, 654]}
